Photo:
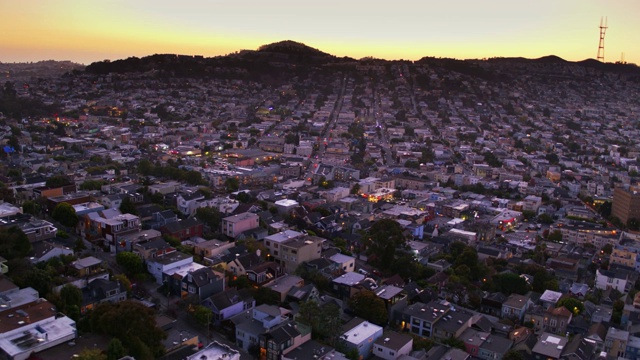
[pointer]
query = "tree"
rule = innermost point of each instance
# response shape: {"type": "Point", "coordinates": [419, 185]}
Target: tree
{"type": "Point", "coordinates": [513, 355]}
{"type": "Point", "coordinates": [91, 354]}
{"type": "Point", "coordinates": [607, 249]}
{"type": "Point", "coordinates": [14, 243]}
{"type": "Point", "coordinates": [115, 350]}
{"type": "Point", "coordinates": [130, 322]}
{"type": "Point", "coordinates": [58, 181]}
{"type": "Point", "coordinates": [130, 262]}
{"type": "Point", "coordinates": [545, 218]}
{"type": "Point", "coordinates": [367, 305]}
{"type": "Point", "coordinates": [572, 304]}
{"type": "Point", "coordinates": [555, 236]}
{"type": "Point", "coordinates": [231, 184]}
{"type": "Point", "coordinates": [509, 283]}
{"type": "Point", "coordinates": [355, 189]}
{"type": "Point", "coordinates": [202, 315]}
{"type": "Point", "coordinates": [382, 240]}
{"type": "Point", "coordinates": [65, 214]}
{"type": "Point", "coordinates": [31, 207]}
{"type": "Point", "coordinates": [127, 206]}
{"type": "Point", "coordinates": [70, 297]}
{"type": "Point", "coordinates": [92, 185]}
{"type": "Point", "coordinates": [211, 217]}
{"type": "Point", "coordinates": [322, 319]}
{"type": "Point", "coordinates": [124, 280]}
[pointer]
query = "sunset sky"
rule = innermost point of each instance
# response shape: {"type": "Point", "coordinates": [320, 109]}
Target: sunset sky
{"type": "Point", "coordinates": [86, 30]}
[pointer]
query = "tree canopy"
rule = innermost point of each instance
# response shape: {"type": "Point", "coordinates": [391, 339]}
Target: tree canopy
{"type": "Point", "coordinates": [367, 305]}
{"type": "Point", "coordinates": [65, 214]}
{"type": "Point", "coordinates": [14, 244]}
{"type": "Point", "coordinates": [382, 240]}
{"type": "Point", "coordinates": [130, 322]}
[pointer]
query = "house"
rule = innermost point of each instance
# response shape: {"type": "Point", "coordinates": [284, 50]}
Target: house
{"type": "Point", "coordinates": [346, 284]}
{"type": "Point", "coordinates": [491, 304]}
{"type": "Point", "coordinates": [152, 249]}
{"type": "Point", "coordinates": [110, 225]}
{"type": "Point", "coordinates": [45, 250]}
{"type": "Point", "coordinates": [233, 225]}
{"type": "Point", "coordinates": [549, 298]}
{"type": "Point", "coordinates": [38, 230]}
{"type": "Point", "coordinates": [283, 339]}
{"type": "Point", "coordinates": [552, 320]}
{"type": "Point", "coordinates": [250, 325]}
{"type": "Point", "coordinates": [313, 350]}
{"type": "Point", "coordinates": [596, 334]}
{"type": "Point", "coordinates": [99, 291]}
{"type": "Point", "coordinates": [549, 346]}
{"type": "Point", "coordinates": [443, 352]}
{"type": "Point", "coordinates": [215, 350]}
{"type": "Point", "coordinates": [515, 307]}
{"type": "Point", "coordinates": [89, 269]}
{"type": "Point", "coordinates": [34, 327]}
{"type": "Point", "coordinates": [228, 303]}
{"type": "Point", "coordinates": [162, 218]}
{"type": "Point", "coordinates": [159, 265]}
{"type": "Point", "coordinates": [360, 335]}
{"type": "Point", "coordinates": [606, 279]}
{"type": "Point", "coordinates": [579, 290]}
{"type": "Point", "coordinates": [290, 252]}
{"type": "Point", "coordinates": [581, 349]}
{"type": "Point", "coordinates": [485, 345]}
{"type": "Point", "coordinates": [187, 203]}
{"type": "Point", "coordinates": [345, 262]}
{"type": "Point", "coordinates": [282, 285]}
{"type": "Point", "coordinates": [202, 283]}
{"type": "Point", "coordinates": [183, 229]}
{"type": "Point", "coordinates": [392, 345]}
{"type": "Point", "coordinates": [615, 343]}
{"type": "Point", "coordinates": [212, 248]}
{"type": "Point", "coordinates": [451, 324]}
{"type": "Point", "coordinates": [420, 318]}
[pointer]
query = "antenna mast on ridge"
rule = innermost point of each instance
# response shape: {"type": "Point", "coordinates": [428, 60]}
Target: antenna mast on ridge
{"type": "Point", "coordinates": [603, 29]}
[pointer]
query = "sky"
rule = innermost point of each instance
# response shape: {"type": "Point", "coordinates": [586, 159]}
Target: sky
{"type": "Point", "coordinates": [85, 31]}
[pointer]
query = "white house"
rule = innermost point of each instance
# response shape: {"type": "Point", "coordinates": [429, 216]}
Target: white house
{"type": "Point", "coordinates": [346, 262]}
{"type": "Point", "coordinates": [161, 264]}
{"type": "Point", "coordinates": [360, 335]}
{"type": "Point", "coordinates": [392, 345]}
{"type": "Point", "coordinates": [606, 279]}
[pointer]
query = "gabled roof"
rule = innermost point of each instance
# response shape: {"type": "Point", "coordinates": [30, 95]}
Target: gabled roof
{"type": "Point", "coordinates": [177, 226]}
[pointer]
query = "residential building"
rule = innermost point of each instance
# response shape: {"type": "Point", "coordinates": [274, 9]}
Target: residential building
{"type": "Point", "coordinates": [38, 230]}
{"type": "Point", "coordinates": [360, 335]}
{"type": "Point", "coordinates": [183, 229]}
{"type": "Point", "coordinates": [159, 265]}
{"type": "Point", "coordinates": [420, 318]}
{"type": "Point", "coordinates": [549, 346]}
{"type": "Point", "coordinates": [606, 279]}
{"type": "Point", "coordinates": [215, 350]}
{"type": "Point", "coordinates": [392, 345]}
{"type": "Point", "coordinates": [345, 262]}
{"type": "Point", "coordinates": [515, 307]}
{"type": "Point", "coordinates": [290, 252]}
{"type": "Point", "coordinates": [615, 343]}
{"type": "Point", "coordinates": [552, 320]}
{"type": "Point", "coordinates": [228, 303]}
{"type": "Point", "coordinates": [626, 204]}
{"type": "Point", "coordinates": [202, 283]}
{"type": "Point", "coordinates": [250, 325]}
{"type": "Point", "coordinates": [34, 327]}
{"type": "Point", "coordinates": [236, 224]}
{"type": "Point", "coordinates": [100, 291]}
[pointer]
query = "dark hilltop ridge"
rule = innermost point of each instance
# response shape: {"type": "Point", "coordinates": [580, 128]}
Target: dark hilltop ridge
{"type": "Point", "coordinates": [280, 58]}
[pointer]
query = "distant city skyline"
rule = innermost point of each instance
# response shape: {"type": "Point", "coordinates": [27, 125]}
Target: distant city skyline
{"type": "Point", "coordinates": [85, 31]}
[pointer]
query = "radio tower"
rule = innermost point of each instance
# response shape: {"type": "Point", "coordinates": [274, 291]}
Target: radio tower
{"type": "Point", "coordinates": [603, 29]}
